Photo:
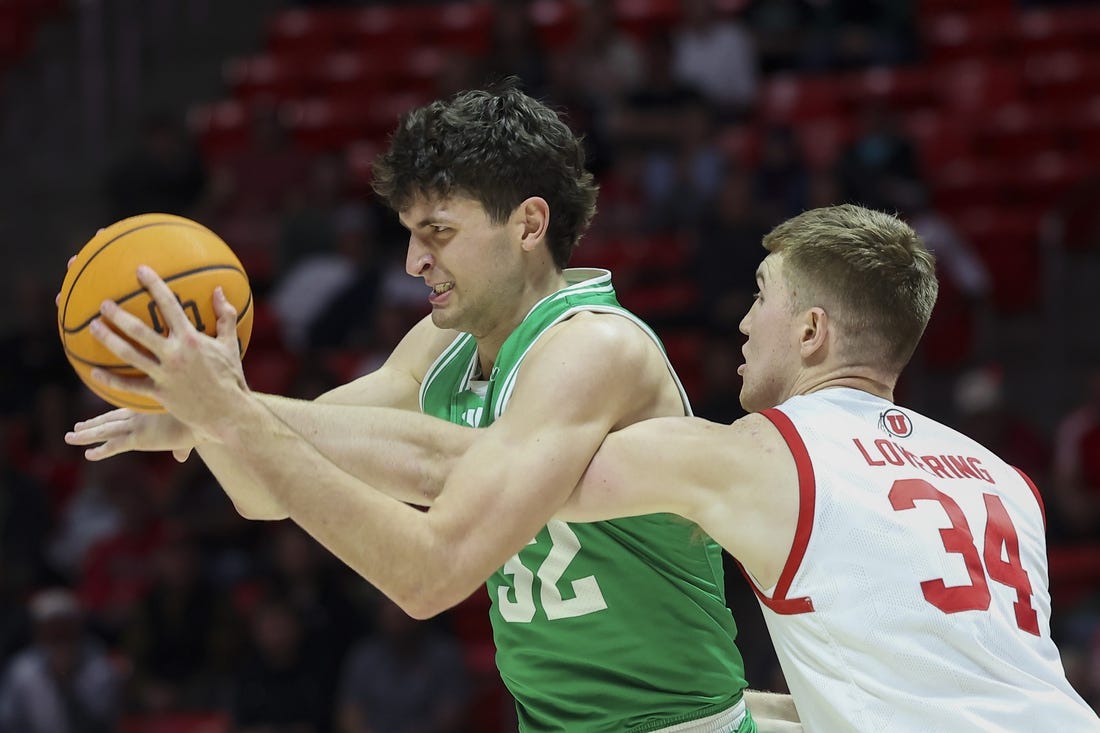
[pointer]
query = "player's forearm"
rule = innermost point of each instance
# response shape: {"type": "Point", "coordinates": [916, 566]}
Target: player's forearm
{"type": "Point", "coordinates": [402, 453]}
{"type": "Point", "coordinates": [389, 543]}
{"type": "Point", "coordinates": [251, 497]}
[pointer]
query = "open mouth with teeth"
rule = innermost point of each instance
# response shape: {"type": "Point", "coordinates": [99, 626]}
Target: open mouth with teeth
{"type": "Point", "coordinates": [442, 288]}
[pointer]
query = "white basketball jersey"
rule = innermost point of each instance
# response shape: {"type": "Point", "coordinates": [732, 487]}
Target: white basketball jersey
{"type": "Point", "coordinates": [915, 595]}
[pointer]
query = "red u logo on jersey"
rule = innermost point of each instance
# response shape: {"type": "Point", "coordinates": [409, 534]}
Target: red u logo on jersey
{"type": "Point", "coordinates": [896, 423]}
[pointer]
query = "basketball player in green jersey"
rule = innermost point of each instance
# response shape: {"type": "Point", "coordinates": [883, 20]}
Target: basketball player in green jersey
{"type": "Point", "coordinates": [615, 626]}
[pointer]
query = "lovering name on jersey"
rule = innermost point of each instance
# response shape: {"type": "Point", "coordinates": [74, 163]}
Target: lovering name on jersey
{"type": "Point", "coordinates": [886, 452]}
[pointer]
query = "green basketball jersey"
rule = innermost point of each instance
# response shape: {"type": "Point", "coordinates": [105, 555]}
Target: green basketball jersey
{"type": "Point", "coordinates": [617, 626]}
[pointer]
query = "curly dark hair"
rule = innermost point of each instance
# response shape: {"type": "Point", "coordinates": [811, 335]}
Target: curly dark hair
{"type": "Point", "coordinates": [498, 146]}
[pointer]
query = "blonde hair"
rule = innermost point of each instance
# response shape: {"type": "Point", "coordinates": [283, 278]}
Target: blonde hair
{"type": "Point", "coordinates": [869, 270]}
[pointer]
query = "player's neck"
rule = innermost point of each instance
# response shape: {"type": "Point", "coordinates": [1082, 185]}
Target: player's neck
{"type": "Point", "coordinates": [535, 288]}
{"type": "Point", "coordinates": [868, 381]}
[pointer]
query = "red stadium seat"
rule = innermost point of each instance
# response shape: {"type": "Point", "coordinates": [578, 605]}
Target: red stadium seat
{"type": "Point", "coordinates": [1062, 76]}
{"type": "Point", "coordinates": [305, 33]}
{"type": "Point", "coordinates": [266, 78]}
{"type": "Point", "coordinates": [960, 35]}
{"type": "Point", "coordinates": [940, 140]}
{"type": "Point", "coordinates": [791, 98]}
{"type": "Point", "coordinates": [740, 144]}
{"type": "Point", "coordinates": [555, 22]}
{"type": "Point", "coordinates": [1014, 132]}
{"type": "Point", "coordinates": [332, 123]}
{"type": "Point", "coordinates": [1009, 247]}
{"type": "Point", "coordinates": [822, 140]}
{"type": "Point", "coordinates": [643, 18]}
{"type": "Point", "coordinates": [903, 89]}
{"type": "Point", "coordinates": [220, 128]}
{"type": "Point", "coordinates": [1058, 30]}
{"type": "Point", "coordinates": [214, 721]}
{"type": "Point", "coordinates": [973, 87]}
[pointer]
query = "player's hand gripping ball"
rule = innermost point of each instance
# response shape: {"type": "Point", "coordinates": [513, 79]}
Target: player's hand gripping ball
{"type": "Point", "coordinates": [190, 258]}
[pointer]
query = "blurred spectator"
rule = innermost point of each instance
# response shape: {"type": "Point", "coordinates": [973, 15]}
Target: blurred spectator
{"type": "Point", "coordinates": [515, 48]}
{"type": "Point", "coordinates": [650, 114]}
{"type": "Point", "coordinates": [780, 31]}
{"type": "Point", "coordinates": [196, 502]}
{"type": "Point", "coordinates": [50, 460]}
{"type": "Point", "coordinates": [460, 71]}
{"type": "Point", "coordinates": [857, 33]}
{"type": "Point", "coordinates": [249, 190]}
{"type": "Point", "coordinates": [716, 55]}
{"type": "Point", "coordinates": [407, 678]}
{"type": "Point", "coordinates": [261, 176]}
{"type": "Point", "coordinates": [961, 330]}
{"type": "Point", "coordinates": [280, 686]}
{"type": "Point", "coordinates": [29, 353]}
{"type": "Point", "coordinates": [1077, 463]}
{"type": "Point", "coordinates": [728, 250]}
{"type": "Point", "coordinates": [164, 174]}
{"type": "Point", "coordinates": [982, 413]}
{"type": "Point", "coordinates": [880, 162]}
{"type": "Point", "coordinates": [315, 587]}
{"type": "Point", "coordinates": [1074, 223]}
{"type": "Point", "coordinates": [90, 516]}
{"type": "Point", "coordinates": [679, 181]}
{"type": "Point", "coordinates": [781, 179]}
{"type": "Point", "coordinates": [15, 631]}
{"type": "Point", "coordinates": [116, 571]}
{"type": "Point", "coordinates": [179, 640]}
{"type": "Point", "coordinates": [25, 520]}
{"type": "Point", "coordinates": [825, 189]}
{"type": "Point", "coordinates": [607, 61]}
{"type": "Point", "coordinates": [64, 682]}
{"type": "Point", "coordinates": [720, 392]}
{"type": "Point", "coordinates": [326, 299]}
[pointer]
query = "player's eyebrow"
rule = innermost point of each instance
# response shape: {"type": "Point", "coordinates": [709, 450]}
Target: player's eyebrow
{"type": "Point", "coordinates": [433, 218]}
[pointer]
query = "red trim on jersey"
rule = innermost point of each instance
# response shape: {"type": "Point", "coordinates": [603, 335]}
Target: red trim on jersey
{"type": "Point", "coordinates": [807, 492]}
{"type": "Point", "coordinates": [1038, 496]}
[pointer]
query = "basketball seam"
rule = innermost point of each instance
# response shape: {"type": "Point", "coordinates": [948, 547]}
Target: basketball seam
{"type": "Point", "coordinates": [108, 243]}
{"type": "Point", "coordinates": [101, 365]}
{"type": "Point", "coordinates": [80, 327]}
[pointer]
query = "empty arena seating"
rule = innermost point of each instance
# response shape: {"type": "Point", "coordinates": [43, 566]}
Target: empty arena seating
{"type": "Point", "coordinates": [1002, 99]}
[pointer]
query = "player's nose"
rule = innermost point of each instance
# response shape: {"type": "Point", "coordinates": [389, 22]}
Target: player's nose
{"type": "Point", "coordinates": [418, 259]}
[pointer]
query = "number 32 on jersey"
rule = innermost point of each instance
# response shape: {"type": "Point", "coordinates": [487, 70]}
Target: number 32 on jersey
{"type": "Point", "coordinates": [587, 596]}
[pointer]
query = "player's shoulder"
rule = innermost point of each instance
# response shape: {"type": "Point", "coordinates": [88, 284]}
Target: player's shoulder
{"type": "Point", "coordinates": [612, 333]}
{"type": "Point", "coordinates": [754, 439]}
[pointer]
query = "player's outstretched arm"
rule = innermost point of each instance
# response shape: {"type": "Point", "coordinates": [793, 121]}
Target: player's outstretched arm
{"type": "Point", "coordinates": [367, 427]}
{"type": "Point", "coordinates": [738, 482]}
{"type": "Point", "coordinates": [501, 492]}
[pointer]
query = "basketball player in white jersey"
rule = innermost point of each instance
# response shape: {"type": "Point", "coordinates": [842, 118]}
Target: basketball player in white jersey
{"type": "Point", "coordinates": [900, 565]}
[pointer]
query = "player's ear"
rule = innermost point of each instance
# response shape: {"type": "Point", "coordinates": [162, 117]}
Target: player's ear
{"type": "Point", "coordinates": [814, 333]}
{"type": "Point", "coordinates": [534, 215]}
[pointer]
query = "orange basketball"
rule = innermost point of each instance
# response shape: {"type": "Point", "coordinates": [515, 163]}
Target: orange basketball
{"type": "Point", "coordinates": [190, 258]}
